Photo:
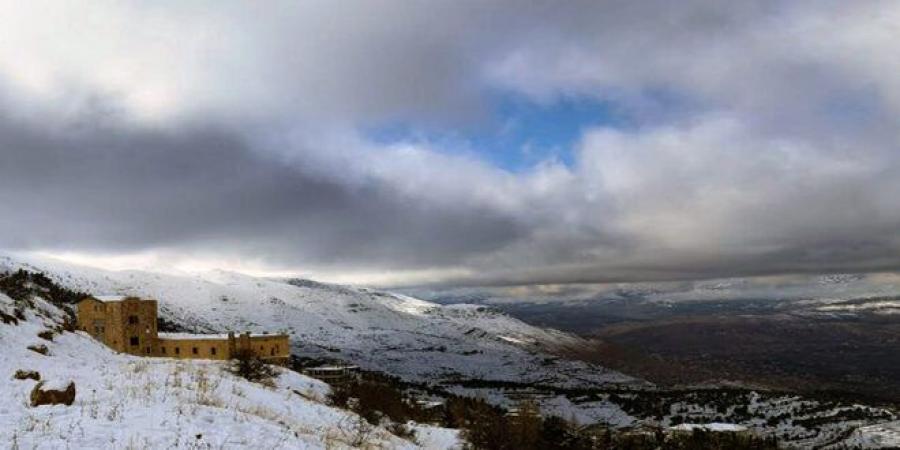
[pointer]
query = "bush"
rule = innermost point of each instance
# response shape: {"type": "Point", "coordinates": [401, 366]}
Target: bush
{"type": "Point", "coordinates": [402, 430]}
{"type": "Point", "coordinates": [8, 319]}
{"type": "Point", "coordinates": [374, 400]}
{"type": "Point", "coordinates": [247, 365]}
{"type": "Point", "coordinates": [27, 375]}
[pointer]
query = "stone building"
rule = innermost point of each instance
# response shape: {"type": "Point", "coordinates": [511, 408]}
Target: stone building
{"type": "Point", "coordinates": [128, 325]}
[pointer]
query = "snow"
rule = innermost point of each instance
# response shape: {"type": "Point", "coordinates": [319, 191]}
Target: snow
{"type": "Point", "coordinates": [196, 336]}
{"type": "Point", "coordinates": [202, 336]}
{"type": "Point", "coordinates": [109, 298]}
{"type": "Point", "coordinates": [392, 333]}
{"type": "Point", "coordinates": [124, 401]}
{"type": "Point", "coordinates": [158, 402]}
{"type": "Point", "coordinates": [714, 426]}
{"type": "Point", "coordinates": [59, 384]}
{"type": "Point", "coordinates": [883, 435]}
{"type": "Point", "coordinates": [431, 437]}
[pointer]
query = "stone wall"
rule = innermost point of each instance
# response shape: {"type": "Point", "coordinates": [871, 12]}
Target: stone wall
{"type": "Point", "coordinates": [194, 348]}
{"type": "Point", "coordinates": [129, 326]}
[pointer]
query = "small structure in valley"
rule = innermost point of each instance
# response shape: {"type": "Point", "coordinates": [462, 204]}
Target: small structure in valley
{"type": "Point", "coordinates": [128, 325]}
{"type": "Point", "coordinates": [334, 374]}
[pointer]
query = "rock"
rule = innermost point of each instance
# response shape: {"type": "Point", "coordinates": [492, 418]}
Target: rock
{"type": "Point", "coordinates": [52, 394]}
{"type": "Point", "coordinates": [8, 319]}
{"type": "Point", "coordinates": [46, 335]}
{"type": "Point", "coordinates": [27, 375]}
{"type": "Point", "coordinates": [40, 348]}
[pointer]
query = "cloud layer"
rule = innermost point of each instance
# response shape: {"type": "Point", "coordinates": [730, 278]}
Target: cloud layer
{"type": "Point", "coordinates": [761, 137]}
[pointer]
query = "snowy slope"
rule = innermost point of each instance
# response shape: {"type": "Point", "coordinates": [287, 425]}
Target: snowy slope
{"type": "Point", "coordinates": [884, 435]}
{"type": "Point", "coordinates": [131, 402]}
{"type": "Point", "coordinates": [393, 333]}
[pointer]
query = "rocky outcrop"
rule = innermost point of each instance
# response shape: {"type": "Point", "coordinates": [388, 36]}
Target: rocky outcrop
{"type": "Point", "coordinates": [46, 394]}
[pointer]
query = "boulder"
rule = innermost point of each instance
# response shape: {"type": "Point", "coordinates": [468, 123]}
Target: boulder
{"type": "Point", "coordinates": [46, 335]}
{"type": "Point", "coordinates": [53, 394]}
{"type": "Point", "coordinates": [40, 348]}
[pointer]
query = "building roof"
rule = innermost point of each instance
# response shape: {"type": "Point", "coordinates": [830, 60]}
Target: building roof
{"type": "Point", "coordinates": [191, 336]}
{"type": "Point", "coordinates": [213, 336]}
{"type": "Point", "coordinates": [110, 298]}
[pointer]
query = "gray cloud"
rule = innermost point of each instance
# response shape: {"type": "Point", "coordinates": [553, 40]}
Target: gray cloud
{"type": "Point", "coordinates": [110, 187]}
{"type": "Point", "coordinates": [762, 137]}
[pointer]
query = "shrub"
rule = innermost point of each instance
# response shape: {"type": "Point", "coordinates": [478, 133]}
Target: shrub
{"type": "Point", "coordinates": [8, 319]}
{"type": "Point", "coordinates": [27, 375]}
{"type": "Point", "coordinates": [402, 430]}
{"type": "Point", "coordinates": [247, 365]}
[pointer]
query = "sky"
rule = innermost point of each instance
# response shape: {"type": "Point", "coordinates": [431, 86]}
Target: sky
{"type": "Point", "coordinates": [454, 143]}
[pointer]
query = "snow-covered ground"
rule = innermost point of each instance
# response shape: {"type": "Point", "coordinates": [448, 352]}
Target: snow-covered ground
{"type": "Point", "coordinates": [712, 426]}
{"type": "Point", "coordinates": [126, 402]}
{"type": "Point", "coordinates": [883, 435]}
{"type": "Point", "coordinates": [393, 333]}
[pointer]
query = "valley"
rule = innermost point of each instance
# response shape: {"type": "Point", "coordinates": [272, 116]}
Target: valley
{"type": "Point", "coordinates": [651, 367]}
{"type": "Point", "coordinates": [841, 346]}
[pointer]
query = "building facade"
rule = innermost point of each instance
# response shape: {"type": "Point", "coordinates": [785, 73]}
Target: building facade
{"type": "Point", "coordinates": [128, 325]}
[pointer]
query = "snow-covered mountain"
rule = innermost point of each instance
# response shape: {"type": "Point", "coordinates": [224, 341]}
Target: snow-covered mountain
{"type": "Point", "coordinates": [121, 396]}
{"type": "Point", "coordinates": [393, 333]}
{"type": "Point", "coordinates": [122, 401]}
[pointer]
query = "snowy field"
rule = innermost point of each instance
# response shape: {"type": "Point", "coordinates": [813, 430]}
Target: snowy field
{"type": "Point", "coordinates": [397, 334]}
{"type": "Point", "coordinates": [126, 402]}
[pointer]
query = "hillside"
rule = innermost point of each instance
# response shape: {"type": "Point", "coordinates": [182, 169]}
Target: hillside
{"type": "Point", "coordinates": [807, 333]}
{"type": "Point", "coordinates": [468, 350]}
{"type": "Point", "coordinates": [396, 334]}
{"type": "Point", "coordinates": [130, 402]}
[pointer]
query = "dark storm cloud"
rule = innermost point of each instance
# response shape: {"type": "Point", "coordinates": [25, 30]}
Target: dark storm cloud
{"type": "Point", "coordinates": [115, 188]}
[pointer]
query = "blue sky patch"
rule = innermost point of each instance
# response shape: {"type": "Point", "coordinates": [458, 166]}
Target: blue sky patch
{"type": "Point", "coordinates": [520, 134]}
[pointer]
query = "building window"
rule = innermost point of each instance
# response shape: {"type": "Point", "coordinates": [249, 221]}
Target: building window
{"type": "Point", "coordinates": [135, 341]}
{"type": "Point", "coordinates": [147, 350]}
{"type": "Point", "coordinates": [132, 320]}
{"type": "Point", "coordinates": [212, 351]}
{"type": "Point", "coordinates": [195, 350]}
{"type": "Point", "coordinates": [163, 350]}
{"type": "Point", "coordinates": [272, 351]}
{"type": "Point", "coordinates": [177, 350]}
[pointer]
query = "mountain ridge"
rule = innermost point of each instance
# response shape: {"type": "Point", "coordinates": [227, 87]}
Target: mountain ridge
{"type": "Point", "coordinates": [393, 333]}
